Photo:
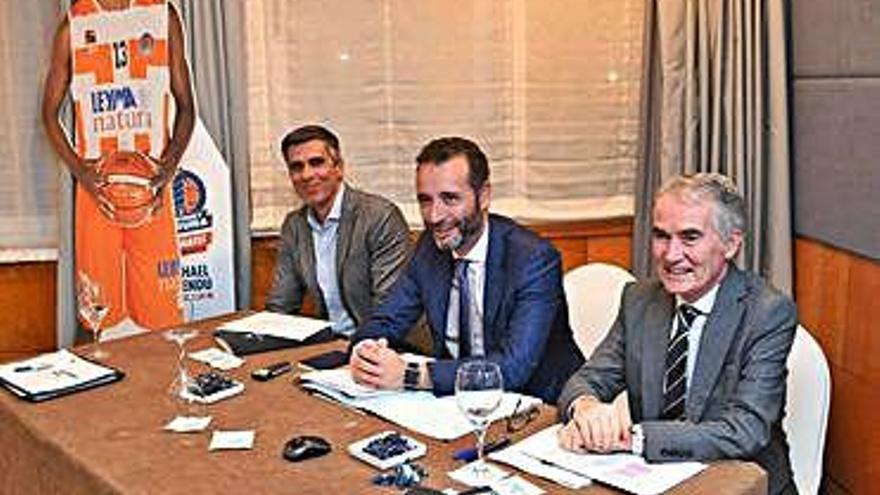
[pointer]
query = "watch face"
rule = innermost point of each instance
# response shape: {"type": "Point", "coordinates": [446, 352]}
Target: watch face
{"type": "Point", "coordinates": [411, 376]}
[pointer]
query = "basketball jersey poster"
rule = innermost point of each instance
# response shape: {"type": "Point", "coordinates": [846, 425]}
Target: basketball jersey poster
{"type": "Point", "coordinates": [203, 209]}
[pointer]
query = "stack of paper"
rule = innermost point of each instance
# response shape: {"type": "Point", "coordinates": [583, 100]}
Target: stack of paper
{"type": "Point", "coordinates": [625, 471]}
{"type": "Point", "coordinates": [419, 411]}
{"type": "Point", "coordinates": [54, 374]}
{"type": "Point", "coordinates": [338, 384]}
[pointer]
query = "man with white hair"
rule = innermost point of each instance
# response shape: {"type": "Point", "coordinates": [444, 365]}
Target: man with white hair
{"type": "Point", "coordinates": [701, 352]}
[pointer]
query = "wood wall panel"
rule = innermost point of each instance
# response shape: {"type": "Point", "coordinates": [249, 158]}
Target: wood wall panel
{"type": "Point", "coordinates": [836, 291]}
{"type": "Point", "coordinates": [821, 286]}
{"type": "Point", "coordinates": [27, 300]}
{"type": "Point", "coordinates": [608, 241]}
{"type": "Point", "coordinates": [263, 251]}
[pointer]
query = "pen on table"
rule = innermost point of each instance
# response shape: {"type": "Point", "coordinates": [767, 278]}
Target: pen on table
{"type": "Point", "coordinates": [28, 367]}
{"type": "Point", "coordinates": [269, 372]}
{"type": "Point", "coordinates": [469, 455]}
{"type": "Point", "coordinates": [475, 490]}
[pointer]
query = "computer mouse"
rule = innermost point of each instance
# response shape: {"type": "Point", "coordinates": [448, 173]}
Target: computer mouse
{"type": "Point", "coordinates": [305, 447]}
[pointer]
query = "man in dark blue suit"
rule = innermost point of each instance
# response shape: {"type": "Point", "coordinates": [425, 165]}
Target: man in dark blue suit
{"type": "Point", "coordinates": [489, 288]}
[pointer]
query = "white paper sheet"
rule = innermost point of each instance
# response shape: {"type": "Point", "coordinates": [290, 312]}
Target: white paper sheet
{"type": "Point", "coordinates": [514, 456]}
{"type": "Point", "coordinates": [188, 424]}
{"type": "Point", "coordinates": [625, 471]}
{"type": "Point", "coordinates": [515, 485]}
{"type": "Point", "coordinates": [340, 380]}
{"type": "Point", "coordinates": [277, 325]}
{"type": "Point", "coordinates": [419, 411]}
{"type": "Point", "coordinates": [232, 440]}
{"type": "Point", "coordinates": [466, 475]}
{"type": "Point", "coordinates": [216, 358]}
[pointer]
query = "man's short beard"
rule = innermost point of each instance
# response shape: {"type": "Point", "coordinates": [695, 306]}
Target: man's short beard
{"type": "Point", "coordinates": [468, 228]}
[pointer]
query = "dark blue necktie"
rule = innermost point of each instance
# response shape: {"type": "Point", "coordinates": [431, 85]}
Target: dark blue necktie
{"type": "Point", "coordinates": [464, 305]}
{"type": "Point", "coordinates": [675, 378]}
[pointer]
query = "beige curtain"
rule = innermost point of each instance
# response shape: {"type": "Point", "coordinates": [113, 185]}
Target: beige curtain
{"type": "Point", "coordinates": [715, 100]}
{"type": "Point", "coordinates": [549, 88]}
{"type": "Point", "coordinates": [28, 169]}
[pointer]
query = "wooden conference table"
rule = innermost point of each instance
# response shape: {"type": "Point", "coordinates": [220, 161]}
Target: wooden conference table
{"type": "Point", "coordinates": [110, 439]}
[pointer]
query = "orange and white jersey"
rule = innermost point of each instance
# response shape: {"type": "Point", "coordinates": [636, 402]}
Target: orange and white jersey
{"type": "Point", "coordinates": [121, 78]}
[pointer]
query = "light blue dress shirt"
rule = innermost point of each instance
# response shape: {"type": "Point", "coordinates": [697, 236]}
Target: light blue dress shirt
{"type": "Point", "coordinates": [324, 238]}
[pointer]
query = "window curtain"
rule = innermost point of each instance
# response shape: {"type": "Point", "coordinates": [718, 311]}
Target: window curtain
{"type": "Point", "coordinates": [549, 89]}
{"type": "Point", "coordinates": [215, 51]}
{"type": "Point", "coordinates": [29, 175]}
{"type": "Point", "coordinates": [715, 100]}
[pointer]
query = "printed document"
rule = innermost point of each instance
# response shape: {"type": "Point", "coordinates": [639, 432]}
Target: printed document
{"type": "Point", "coordinates": [625, 471]}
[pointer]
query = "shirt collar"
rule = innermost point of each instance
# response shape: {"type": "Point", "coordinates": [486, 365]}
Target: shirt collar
{"type": "Point", "coordinates": [480, 250]}
{"type": "Point", "coordinates": [703, 304]}
{"type": "Point", "coordinates": [335, 211]}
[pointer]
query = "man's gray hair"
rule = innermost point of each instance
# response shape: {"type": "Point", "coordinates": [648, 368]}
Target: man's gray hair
{"type": "Point", "coordinates": [729, 205]}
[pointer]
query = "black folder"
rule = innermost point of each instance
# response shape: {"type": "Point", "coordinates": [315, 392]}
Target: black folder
{"type": "Point", "coordinates": [244, 343]}
{"type": "Point", "coordinates": [112, 375]}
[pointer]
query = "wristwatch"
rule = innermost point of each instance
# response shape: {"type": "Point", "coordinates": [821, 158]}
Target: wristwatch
{"type": "Point", "coordinates": [411, 375]}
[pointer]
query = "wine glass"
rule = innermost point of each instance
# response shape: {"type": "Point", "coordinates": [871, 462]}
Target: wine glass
{"type": "Point", "coordinates": [479, 388]}
{"type": "Point", "coordinates": [93, 308]}
{"type": "Point", "coordinates": [181, 378]}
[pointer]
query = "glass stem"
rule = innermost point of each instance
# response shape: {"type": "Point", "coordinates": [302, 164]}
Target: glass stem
{"type": "Point", "coordinates": [96, 331]}
{"type": "Point", "coordinates": [180, 367]}
{"type": "Point", "coordinates": [481, 441]}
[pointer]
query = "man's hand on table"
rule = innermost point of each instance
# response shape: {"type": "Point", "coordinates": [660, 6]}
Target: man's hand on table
{"type": "Point", "coordinates": [375, 364]}
{"type": "Point", "coordinates": [595, 427]}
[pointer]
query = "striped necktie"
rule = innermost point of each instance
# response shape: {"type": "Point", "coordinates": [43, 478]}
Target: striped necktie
{"type": "Point", "coordinates": [675, 378]}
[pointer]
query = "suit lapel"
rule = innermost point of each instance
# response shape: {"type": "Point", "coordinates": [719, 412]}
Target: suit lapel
{"type": "Point", "coordinates": [655, 338]}
{"type": "Point", "coordinates": [718, 334]}
{"type": "Point", "coordinates": [344, 234]}
{"type": "Point", "coordinates": [307, 255]}
{"type": "Point", "coordinates": [436, 293]}
{"type": "Point", "coordinates": [494, 283]}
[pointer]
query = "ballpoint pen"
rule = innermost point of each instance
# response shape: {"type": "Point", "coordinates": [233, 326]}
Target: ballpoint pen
{"type": "Point", "coordinates": [470, 454]}
{"type": "Point", "coordinates": [475, 490]}
{"type": "Point", "coordinates": [31, 368]}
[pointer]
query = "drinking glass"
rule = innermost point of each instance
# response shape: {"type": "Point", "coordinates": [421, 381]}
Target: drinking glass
{"type": "Point", "coordinates": [479, 388]}
{"type": "Point", "coordinates": [93, 308]}
{"type": "Point", "coordinates": [179, 336]}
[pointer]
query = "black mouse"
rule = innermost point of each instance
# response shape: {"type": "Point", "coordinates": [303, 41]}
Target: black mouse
{"type": "Point", "coordinates": [305, 447]}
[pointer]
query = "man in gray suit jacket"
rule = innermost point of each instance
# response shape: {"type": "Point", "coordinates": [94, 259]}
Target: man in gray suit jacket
{"type": "Point", "coordinates": [701, 352]}
{"type": "Point", "coordinates": [344, 247]}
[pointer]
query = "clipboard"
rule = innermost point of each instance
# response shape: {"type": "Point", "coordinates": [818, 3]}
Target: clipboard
{"type": "Point", "coordinates": [53, 363]}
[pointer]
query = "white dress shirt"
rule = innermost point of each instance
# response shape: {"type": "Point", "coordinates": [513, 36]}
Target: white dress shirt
{"type": "Point", "coordinates": [704, 306]}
